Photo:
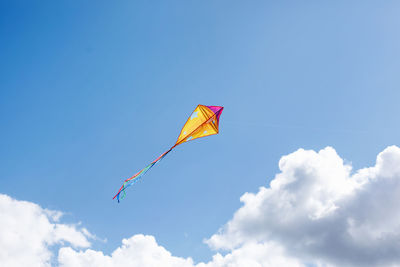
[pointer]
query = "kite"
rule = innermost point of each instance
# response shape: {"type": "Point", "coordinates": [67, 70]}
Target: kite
{"type": "Point", "coordinates": [204, 121]}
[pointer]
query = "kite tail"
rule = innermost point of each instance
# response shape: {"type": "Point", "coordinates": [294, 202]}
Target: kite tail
{"type": "Point", "coordinates": [130, 181]}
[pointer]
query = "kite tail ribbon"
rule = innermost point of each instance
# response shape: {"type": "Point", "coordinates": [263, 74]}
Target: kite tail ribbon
{"type": "Point", "coordinates": [130, 181]}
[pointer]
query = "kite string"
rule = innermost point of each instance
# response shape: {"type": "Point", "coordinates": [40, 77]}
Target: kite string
{"type": "Point", "coordinates": [132, 180]}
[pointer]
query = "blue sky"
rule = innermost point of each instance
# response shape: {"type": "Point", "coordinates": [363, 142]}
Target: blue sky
{"type": "Point", "coordinates": [91, 92]}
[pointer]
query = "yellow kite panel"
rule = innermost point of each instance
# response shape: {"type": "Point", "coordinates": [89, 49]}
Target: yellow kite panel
{"type": "Point", "coordinates": [201, 123]}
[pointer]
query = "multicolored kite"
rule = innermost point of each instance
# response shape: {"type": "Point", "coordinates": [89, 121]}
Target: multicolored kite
{"type": "Point", "coordinates": [204, 121]}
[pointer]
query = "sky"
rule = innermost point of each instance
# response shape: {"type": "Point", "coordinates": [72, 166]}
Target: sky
{"type": "Point", "coordinates": [93, 91]}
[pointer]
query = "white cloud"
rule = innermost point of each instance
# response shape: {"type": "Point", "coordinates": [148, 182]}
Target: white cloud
{"type": "Point", "coordinates": [315, 211]}
{"type": "Point", "coordinates": [27, 233]}
{"type": "Point", "coordinates": [140, 250]}
{"type": "Point", "coordinates": [251, 254]}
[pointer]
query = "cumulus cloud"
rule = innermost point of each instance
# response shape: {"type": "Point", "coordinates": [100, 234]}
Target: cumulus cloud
{"type": "Point", "coordinates": [321, 212]}
{"type": "Point", "coordinates": [251, 254]}
{"type": "Point", "coordinates": [316, 211]}
{"type": "Point", "coordinates": [27, 233]}
{"type": "Point", "coordinates": [141, 250]}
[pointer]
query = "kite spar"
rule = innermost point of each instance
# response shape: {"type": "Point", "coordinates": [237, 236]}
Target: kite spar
{"type": "Point", "coordinates": [204, 121]}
